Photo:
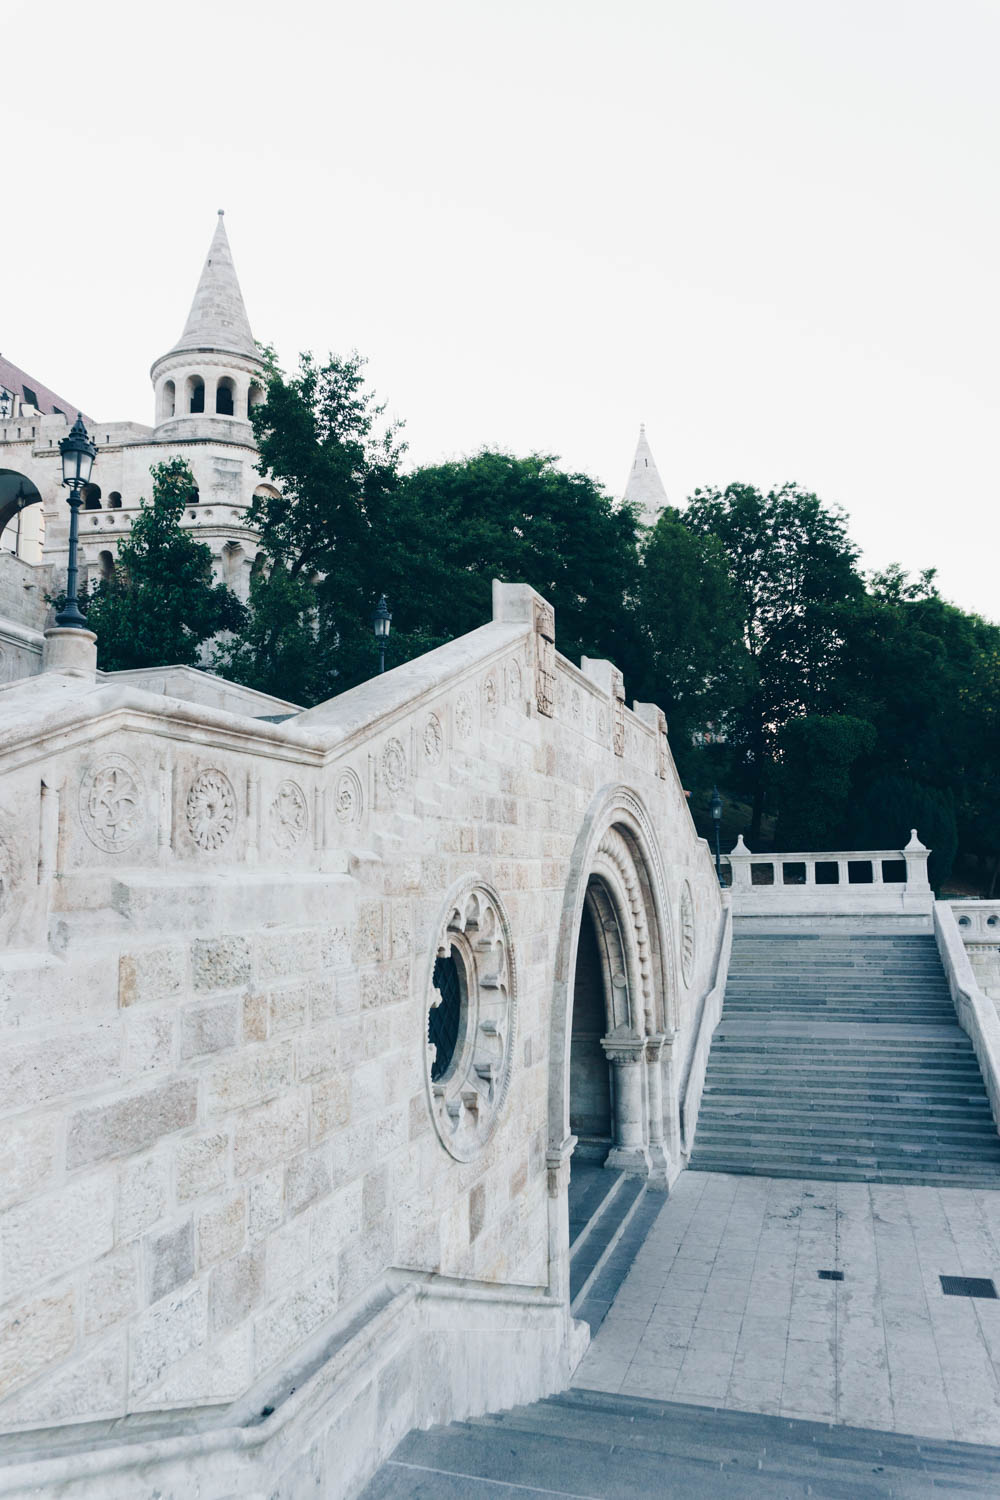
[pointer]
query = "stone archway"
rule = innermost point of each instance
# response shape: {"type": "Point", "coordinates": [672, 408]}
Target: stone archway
{"type": "Point", "coordinates": [20, 534]}
{"type": "Point", "coordinates": [616, 956]}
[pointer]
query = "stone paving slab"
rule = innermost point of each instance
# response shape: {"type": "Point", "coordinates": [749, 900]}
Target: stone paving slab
{"type": "Point", "coordinates": [723, 1306]}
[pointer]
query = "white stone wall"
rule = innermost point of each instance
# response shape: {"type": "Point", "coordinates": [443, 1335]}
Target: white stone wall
{"type": "Point", "coordinates": [217, 941]}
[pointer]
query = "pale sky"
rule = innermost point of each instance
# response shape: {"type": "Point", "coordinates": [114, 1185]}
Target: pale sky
{"type": "Point", "coordinates": [766, 228]}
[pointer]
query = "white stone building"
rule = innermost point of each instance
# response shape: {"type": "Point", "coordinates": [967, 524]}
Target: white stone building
{"type": "Point", "coordinates": [645, 487]}
{"type": "Point", "coordinates": [203, 389]}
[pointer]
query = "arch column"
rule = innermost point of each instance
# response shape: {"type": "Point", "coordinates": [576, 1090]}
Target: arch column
{"type": "Point", "coordinates": [625, 1050]}
{"type": "Point", "coordinates": [657, 1050]}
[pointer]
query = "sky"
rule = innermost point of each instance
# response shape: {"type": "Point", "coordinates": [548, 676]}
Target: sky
{"type": "Point", "coordinates": [768, 229]}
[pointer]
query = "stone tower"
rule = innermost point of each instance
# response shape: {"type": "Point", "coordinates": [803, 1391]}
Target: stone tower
{"type": "Point", "coordinates": [205, 385]}
{"type": "Point", "coordinates": [645, 487]}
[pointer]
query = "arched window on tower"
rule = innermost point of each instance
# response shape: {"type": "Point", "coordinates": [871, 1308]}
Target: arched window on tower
{"type": "Point", "coordinates": [114, 501]}
{"type": "Point", "coordinates": [224, 396]}
{"type": "Point", "coordinates": [107, 566]}
{"type": "Point", "coordinates": [168, 400]}
{"type": "Point", "coordinates": [254, 397]}
{"type": "Point", "coordinates": [92, 497]}
{"type": "Point", "coordinates": [196, 394]}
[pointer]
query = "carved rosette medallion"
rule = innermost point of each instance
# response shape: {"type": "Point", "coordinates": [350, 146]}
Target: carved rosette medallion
{"type": "Point", "coordinates": [491, 695]}
{"type": "Point", "coordinates": [433, 740]}
{"type": "Point", "coordinates": [467, 1088]}
{"type": "Point", "coordinates": [394, 766]}
{"type": "Point", "coordinates": [687, 933]}
{"type": "Point", "coordinates": [347, 802]}
{"type": "Point", "coordinates": [463, 715]}
{"type": "Point", "coordinates": [113, 803]}
{"type": "Point", "coordinates": [289, 815]}
{"type": "Point", "coordinates": [513, 681]}
{"type": "Point", "coordinates": [210, 810]}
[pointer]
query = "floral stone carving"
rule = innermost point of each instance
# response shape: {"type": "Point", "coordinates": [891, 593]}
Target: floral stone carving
{"type": "Point", "coordinates": [394, 766]}
{"type": "Point", "coordinates": [113, 803]}
{"type": "Point", "coordinates": [210, 810]}
{"type": "Point", "coordinates": [471, 1011]}
{"type": "Point", "coordinates": [347, 804]}
{"type": "Point", "coordinates": [433, 740]}
{"type": "Point", "coordinates": [687, 933]}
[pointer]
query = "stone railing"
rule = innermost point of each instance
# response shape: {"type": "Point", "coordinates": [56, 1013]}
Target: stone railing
{"type": "Point", "coordinates": [977, 1014]}
{"type": "Point", "coordinates": [841, 881]}
{"type": "Point", "coordinates": [978, 924]}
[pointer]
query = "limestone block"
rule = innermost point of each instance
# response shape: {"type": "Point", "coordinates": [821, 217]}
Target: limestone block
{"type": "Point", "coordinates": [149, 1042]}
{"type": "Point", "coordinates": [33, 1072]}
{"type": "Point", "coordinates": [350, 1151]}
{"type": "Point", "coordinates": [130, 1124]}
{"type": "Point", "coordinates": [110, 1290]}
{"type": "Point", "coordinates": [151, 974]}
{"type": "Point", "coordinates": [221, 963]}
{"type": "Point", "coordinates": [282, 954]}
{"type": "Point", "coordinates": [235, 1288]}
{"type": "Point", "coordinates": [220, 1371]}
{"type": "Point", "coordinates": [265, 1203]}
{"type": "Point", "coordinates": [321, 993]}
{"type": "Point", "coordinates": [27, 1156]}
{"type": "Point", "coordinates": [387, 985]}
{"type": "Point", "coordinates": [210, 1026]}
{"type": "Point", "coordinates": [255, 1018]}
{"type": "Point", "coordinates": [319, 1051]}
{"type": "Point", "coordinates": [307, 1177]}
{"type": "Point", "coordinates": [32, 1335]}
{"type": "Point", "coordinates": [287, 1323]}
{"type": "Point", "coordinates": [331, 1107]}
{"type": "Point", "coordinates": [363, 1260]}
{"type": "Point", "coordinates": [391, 1132]}
{"type": "Point", "coordinates": [142, 1195]}
{"type": "Point", "coordinates": [169, 1257]}
{"type": "Point", "coordinates": [165, 1333]}
{"type": "Point", "coordinates": [335, 1221]}
{"type": "Point", "coordinates": [200, 1165]}
{"type": "Point", "coordinates": [335, 948]}
{"type": "Point", "coordinates": [250, 1077]}
{"type": "Point", "coordinates": [46, 1238]}
{"type": "Point", "coordinates": [221, 1230]}
{"type": "Point", "coordinates": [288, 1254]}
{"type": "Point", "coordinates": [92, 1386]}
{"type": "Point", "coordinates": [368, 944]}
{"type": "Point", "coordinates": [288, 1008]}
{"type": "Point", "coordinates": [270, 1133]}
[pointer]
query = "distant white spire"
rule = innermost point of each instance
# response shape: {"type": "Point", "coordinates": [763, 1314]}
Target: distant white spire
{"type": "Point", "coordinates": [218, 319]}
{"type": "Point", "coordinates": [645, 487]}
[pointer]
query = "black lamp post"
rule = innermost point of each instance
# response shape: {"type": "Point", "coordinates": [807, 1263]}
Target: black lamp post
{"type": "Point", "coordinates": [78, 454]}
{"type": "Point", "coordinates": [6, 405]}
{"type": "Point", "coordinates": [716, 806]}
{"type": "Point", "coordinates": [381, 620]}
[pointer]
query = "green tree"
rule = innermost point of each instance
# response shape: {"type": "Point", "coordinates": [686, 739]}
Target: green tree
{"type": "Point", "coordinates": [459, 525]}
{"type": "Point", "coordinates": [160, 604]}
{"type": "Point", "coordinates": [699, 670]}
{"type": "Point", "coordinates": [792, 566]}
{"type": "Point", "coordinates": [886, 812]}
{"type": "Point", "coordinates": [816, 755]}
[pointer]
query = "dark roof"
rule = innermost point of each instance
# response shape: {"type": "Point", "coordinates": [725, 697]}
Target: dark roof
{"type": "Point", "coordinates": [27, 388]}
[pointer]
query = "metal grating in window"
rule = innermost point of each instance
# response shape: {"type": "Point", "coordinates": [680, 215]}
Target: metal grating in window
{"type": "Point", "coordinates": [444, 1020]}
{"type": "Point", "coordinates": [968, 1286]}
{"type": "Point", "coordinates": [830, 1275]}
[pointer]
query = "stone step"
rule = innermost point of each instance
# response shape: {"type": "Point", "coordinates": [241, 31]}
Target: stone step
{"type": "Point", "coordinates": [971, 1121]}
{"type": "Point", "coordinates": [594, 1245]}
{"type": "Point", "coordinates": [754, 1137]}
{"type": "Point", "coordinates": [588, 1443]}
{"type": "Point", "coordinates": [807, 1157]}
{"type": "Point", "coordinates": [923, 1175]}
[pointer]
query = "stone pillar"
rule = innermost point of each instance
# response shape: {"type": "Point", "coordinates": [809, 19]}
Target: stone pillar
{"type": "Point", "coordinates": [557, 1180]}
{"type": "Point", "coordinates": [739, 863]}
{"type": "Point", "coordinates": [626, 1052]}
{"type": "Point", "coordinates": [916, 855]}
{"type": "Point", "coordinates": [658, 1157]}
{"type": "Point", "coordinates": [70, 650]}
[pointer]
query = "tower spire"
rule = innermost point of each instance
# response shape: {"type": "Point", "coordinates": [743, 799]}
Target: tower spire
{"type": "Point", "coordinates": [218, 318]}
{"type": "Point", "coordinates": [645, 487]}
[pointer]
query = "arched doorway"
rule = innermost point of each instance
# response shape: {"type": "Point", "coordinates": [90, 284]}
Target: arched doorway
{"type": "Point", "coordinates": [589, 1079]}
{"type": "Point", "coordinates": [22, 521]}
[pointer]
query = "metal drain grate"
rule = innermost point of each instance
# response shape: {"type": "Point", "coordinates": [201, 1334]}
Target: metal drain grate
{"type": "Point", "coordinates": [968, 1286]}
{"type": "Point", "coordinates": [830, 1275]}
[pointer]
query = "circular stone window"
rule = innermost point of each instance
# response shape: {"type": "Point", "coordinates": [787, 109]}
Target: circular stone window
{"type": "Point", "coordinates": [471, 1009]}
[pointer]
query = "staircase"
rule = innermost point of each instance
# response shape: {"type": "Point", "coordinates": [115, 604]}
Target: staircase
{"type": "Point", "coordinates": [587, 1444]}
{"type": "Point", "coordinates": [839, 1056]}
{"type": "Point", "coordinates": [609, 1217]}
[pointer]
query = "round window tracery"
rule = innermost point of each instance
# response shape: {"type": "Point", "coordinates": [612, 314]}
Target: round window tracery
{"type": "Point", "coordinates": [471, 1013]}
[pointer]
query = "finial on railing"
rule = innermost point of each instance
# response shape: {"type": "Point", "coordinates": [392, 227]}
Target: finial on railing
{"type": "Point", "coordinates": [914, 841]}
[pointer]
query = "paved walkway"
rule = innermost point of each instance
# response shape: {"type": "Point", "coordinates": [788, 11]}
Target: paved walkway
{"type": "Point", "coordinates": [724, 1306]}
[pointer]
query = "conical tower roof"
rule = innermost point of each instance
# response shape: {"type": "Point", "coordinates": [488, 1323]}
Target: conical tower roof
{"type": "Point", "coordinates": [645, 487]}
{"type": "Point", "coordinates": [218, 319]}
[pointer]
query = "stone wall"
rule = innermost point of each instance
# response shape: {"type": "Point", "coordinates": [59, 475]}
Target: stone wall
{"type": "Point", "coordinates": [220, 1130]}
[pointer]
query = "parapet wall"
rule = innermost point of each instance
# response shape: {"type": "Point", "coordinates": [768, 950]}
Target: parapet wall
{"type": "Point", "coordinates": [220, 1128]}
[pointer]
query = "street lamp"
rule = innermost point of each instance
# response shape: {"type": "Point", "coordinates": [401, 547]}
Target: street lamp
{"type": "Point", "coordinates": [6, 404]}
{"type": "Point", "coordinates": [381, 620]}
{"type": "Point", "coordinates": [716, 806]}
{"type": "Point", "coordinates": [78, 454]}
